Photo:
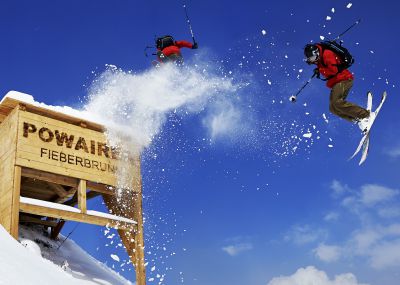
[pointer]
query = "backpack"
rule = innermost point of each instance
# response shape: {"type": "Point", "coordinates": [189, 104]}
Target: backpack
{"type": "Point", "coordinates": [344, 55]}
{"type": "Point", "coordinates": [165, 41]}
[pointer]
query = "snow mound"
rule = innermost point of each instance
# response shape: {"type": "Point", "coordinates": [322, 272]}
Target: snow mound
{"type": "Point", "coordinates": [36, 260]}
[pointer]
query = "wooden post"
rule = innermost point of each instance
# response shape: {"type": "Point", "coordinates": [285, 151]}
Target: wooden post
{"type": "Point", "coordinates": [139, 241]}
{"type": "Point", "coordinates": [138, 234]}
{"type": "Point", "coordinates": [15, 202]}
{"type": "Point", "coordinates": [82, 196]}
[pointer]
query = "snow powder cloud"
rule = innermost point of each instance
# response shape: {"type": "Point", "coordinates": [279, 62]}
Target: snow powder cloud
{"type": "Point", "coordinates": [137, 105]}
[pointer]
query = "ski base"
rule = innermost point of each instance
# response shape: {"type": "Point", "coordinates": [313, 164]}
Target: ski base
{"type": "Point", "coordinates": [364, 142]}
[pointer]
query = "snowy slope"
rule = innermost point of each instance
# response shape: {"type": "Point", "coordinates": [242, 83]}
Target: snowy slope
{"type": "Point", "coordinates": [22, 263]}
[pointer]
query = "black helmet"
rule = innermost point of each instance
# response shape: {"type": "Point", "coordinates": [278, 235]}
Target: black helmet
{"type": "Point", "coordinates": [165, 41]}
{"type": "Point", "coordinates": [311, 53]}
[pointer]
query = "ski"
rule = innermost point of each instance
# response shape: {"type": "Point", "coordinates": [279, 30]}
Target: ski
{"type": "Point", "coordinates": [365, 149]}
{"type": "Point", "coordinates": [366, 143]}
{"type": "Point", "coordinates": [369, 108]}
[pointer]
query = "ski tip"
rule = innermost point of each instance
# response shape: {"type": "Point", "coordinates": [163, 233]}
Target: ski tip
{"type": "Point", "coordinates": [384, 94]}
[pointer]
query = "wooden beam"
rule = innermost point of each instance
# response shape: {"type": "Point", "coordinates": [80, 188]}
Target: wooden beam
{"type": "Point", "coordinates": [82, 196]}
{"type": "Point", "coordinates": [65, 180]}
{"type": "Point", "coordinates": [28, 219]}
{"type": "Point", "coordinates": [58, 189]}
{"type": "Point", "coordinates": [57, 229]}
{"type": "Point", "coordinates": [49, 177]}
{"type": "Point", "coordinates": [72, 216]}
{"type": "Point", "coordinates": [100, 188]}
{"type": "Point", "coordinates": [70, 194]}
{"type": "Point", "coordinates": [15, 202]}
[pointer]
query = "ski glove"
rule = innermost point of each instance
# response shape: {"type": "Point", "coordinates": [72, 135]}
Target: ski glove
{"type": "Point", "coordinates": [195, 45]}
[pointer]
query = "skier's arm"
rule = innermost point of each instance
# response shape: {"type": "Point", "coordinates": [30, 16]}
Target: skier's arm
{"type": "Point", "coordinates": [330, 61]}
{"type": "Point", "coordinates": [185, 44]}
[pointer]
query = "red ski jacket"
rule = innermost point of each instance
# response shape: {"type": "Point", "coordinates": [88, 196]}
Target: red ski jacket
{"type": "Point", "coordinates": [175, 49]}
{"type": "Point", "coordinates": [327, 66]}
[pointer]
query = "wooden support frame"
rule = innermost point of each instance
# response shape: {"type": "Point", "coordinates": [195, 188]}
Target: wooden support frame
{"type": "Point", "coordinates": [73, 162]}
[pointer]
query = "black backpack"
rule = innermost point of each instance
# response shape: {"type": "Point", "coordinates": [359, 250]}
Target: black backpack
{"type": "Point", "coordinates": [345, 56]}
{"type": "Point", "coordinates": [165, 41]}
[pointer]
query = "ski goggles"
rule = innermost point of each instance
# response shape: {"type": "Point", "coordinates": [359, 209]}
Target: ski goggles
{"type": "Point", "coordinates": [312, 59]}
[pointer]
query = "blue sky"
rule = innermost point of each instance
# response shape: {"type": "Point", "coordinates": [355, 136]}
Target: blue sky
{"type": "Point", "coordinates": [259, 202]}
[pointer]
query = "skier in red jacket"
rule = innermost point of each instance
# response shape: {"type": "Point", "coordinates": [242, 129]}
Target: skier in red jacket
{"type": "Point", "coordinates": [340, 83]}
{"type": "Point", "coordinates": [168, 50]}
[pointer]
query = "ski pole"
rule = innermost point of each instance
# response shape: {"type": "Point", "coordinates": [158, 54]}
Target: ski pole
{"type": "Point", "coordinates": [293, 98]}
{"type": "Point", "coordinates": [188, 21]}
{"type": "Point", "coordinates": [67, 236]}
{"type": "Point", "coordinates": [348, 29]}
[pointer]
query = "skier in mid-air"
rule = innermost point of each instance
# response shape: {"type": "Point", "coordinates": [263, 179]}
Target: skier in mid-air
{"type": "Point", "coordinates": [340, 83]}
{"type": "Point", "coordinates": [168, 50]}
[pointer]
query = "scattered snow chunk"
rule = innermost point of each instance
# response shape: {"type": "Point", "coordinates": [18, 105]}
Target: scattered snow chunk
{"type": "Point", "coordinates": [333, 10]}
{"type": "Point", "coordinates": [325, 119]}
{"type": "Point", "coordinates": [269, 82]}
{"type": "Point", "coordinates": [308, 135]}
{"type": "Point", "coordinates": [300, 70]}
{"type": "Point", "coordinates": [264, 32]}
{"type": "Point", "coordinates": [322, 37]}
{"type": "Point", "coordinates": [371, 51]}
{"type": "Point", "coordinates": [329, 145]}
{"type": "Point", "coordinates": [328, 18]}
{"type": "Point", "coordinates": [115, 257]}
{"type": "Point", "coordinates": [349, 5]}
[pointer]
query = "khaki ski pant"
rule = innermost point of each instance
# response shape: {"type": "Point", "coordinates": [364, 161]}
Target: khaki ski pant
{"type": "Point", "coordinates": [342, 108]}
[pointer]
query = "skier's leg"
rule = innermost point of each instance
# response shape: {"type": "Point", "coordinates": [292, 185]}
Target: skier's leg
{"type": "Point", "coordinates": [343, 108]}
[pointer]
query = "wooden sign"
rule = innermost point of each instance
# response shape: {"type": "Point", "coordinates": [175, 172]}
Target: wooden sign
{"type": "Point", "coordinates": [58, 147]}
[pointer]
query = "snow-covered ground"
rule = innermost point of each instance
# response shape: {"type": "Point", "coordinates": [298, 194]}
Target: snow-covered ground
{"type": "Point", "coordinates": [35, 260]}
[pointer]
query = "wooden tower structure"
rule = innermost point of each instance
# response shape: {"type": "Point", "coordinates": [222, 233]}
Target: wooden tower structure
{"type": "Point", "coordinates": [51, 163]}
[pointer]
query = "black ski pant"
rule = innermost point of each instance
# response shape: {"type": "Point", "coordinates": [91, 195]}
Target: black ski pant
{"type": "Point", "coordinates": [342, 108]}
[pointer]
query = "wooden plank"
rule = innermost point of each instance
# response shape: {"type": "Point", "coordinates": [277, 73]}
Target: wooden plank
{"type": "Point", "coordinates": [31, 187]}
{"type": "Point", "coordinates": [72, 216]}
{"type": "Point", "coordinates": [68, 158]}
{"type": "Point", "coordinates": [99, 178]}
{"type": "Point", "coordinates": [49, 177]}
{"type": "Point", "coordinates": [82, 196]}
{"type": "Point", "coordinates": [12, 103]}
{"type": "Point", "coordinates": [58, 189]}
{"type": "Point", "coordinates": [15, 202]}
{"type": "Point", "coordinates": [70, 194]}
{"type": "Point", "coordinates": [57, 229]}
{"type": "Point", "coordinates": [37, 195]}
{"type": "Point", "coordinates": [8, 142]}
{"type": "Point", "coordinates": [62, 126]}
{"type": "Point", "coordinates": [100, 188]}
{"type": "Point", "coordinates": [29, 219]}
